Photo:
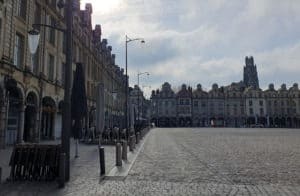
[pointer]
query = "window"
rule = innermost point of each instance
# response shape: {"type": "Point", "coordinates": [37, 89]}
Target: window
{"type": "Point", "coordinates": [51, 34]}
{"type": "Point", "coordinates": [196, 103]}
{"type": "Point", "coordinates": [261, 111]}
{"type": "Point", "coordinates": [0, 30]}
{"type": "Point", "coordinates": [21, 8]}
{"type": "Point", "coordinates": [166, 103]}
{"type": "Point", "coordinates": [51, 67]}
{"type": "Point", "coordinates": [242, 111]}
{"type": "Point", "coordinates": [181, 101]}
{"type": "Point", "coordinates": [53, 3]}
{"type": "Point", "coordinates": [37, 15]}
{"type": "Point", "coordinates": [261, 103]}
{"type": "Point", "coordinates": [251, 111]}
{"type": "Point", "coordinates": [187, 102]}
{"type": "Point", "coordinates": [19, 50]}
{"type": "Point", "coordinates": [35, 62]}
{"type": "Point", "coordinates": [250, 102]}
{"type": "Point", "coordinates": [63, 74]}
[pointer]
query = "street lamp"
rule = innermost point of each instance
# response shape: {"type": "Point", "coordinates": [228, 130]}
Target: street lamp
{"type": "Point", "coordinates": [127, 40]}
{"type": "Point", "coordinates": [155, 105]}
{"type": "Point", "coordinates": [138, 76]}
{"type": "Point", "coordinates": [33, 39]}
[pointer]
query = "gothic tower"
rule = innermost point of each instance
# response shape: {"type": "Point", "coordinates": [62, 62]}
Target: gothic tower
{"type": "Point", "coordinates": [250, 73]}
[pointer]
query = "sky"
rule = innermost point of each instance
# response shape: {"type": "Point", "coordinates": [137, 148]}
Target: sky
{"type": "Point", "coordinates": [203, 42]}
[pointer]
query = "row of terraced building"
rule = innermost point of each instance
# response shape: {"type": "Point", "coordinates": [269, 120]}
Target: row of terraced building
{"type": "Point", "coordinates": [241, 104]}
{"type": "Point", "coordinates": [32, 87]}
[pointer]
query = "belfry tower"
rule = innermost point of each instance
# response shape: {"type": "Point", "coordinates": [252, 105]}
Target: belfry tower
{"type": "Point", "coordinates": [250, 73]}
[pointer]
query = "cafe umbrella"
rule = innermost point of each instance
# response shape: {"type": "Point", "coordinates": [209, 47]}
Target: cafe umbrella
{"type": "Point", "coordinates": [78, 104]}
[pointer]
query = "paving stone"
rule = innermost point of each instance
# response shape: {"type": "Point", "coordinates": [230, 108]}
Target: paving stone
{"type": "Point", "coordinates": [215, 162]}
{"type": "Point", "coordinates": [194, 162]}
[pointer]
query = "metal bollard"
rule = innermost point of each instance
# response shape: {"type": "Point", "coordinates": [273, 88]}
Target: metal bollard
{"type": "Point", "coordinates": [131, 143]}
{"type": "Point", "coordinates": [137, 137]}
{"type": "Point", "coordinates": [134, 140]}
{"type": "Point", "coordinates": [124, 151]}
{"type": "Point", "coordinates": [62, 170]}
{"type": "Point", "coordinates": [102, 160]}
{"type": "Point", "coordinates": [143, 134]}
{"type": "Point", "coordinates": [118, 155]}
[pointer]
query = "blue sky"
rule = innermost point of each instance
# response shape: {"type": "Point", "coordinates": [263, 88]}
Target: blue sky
{"type": "Point", "coordinates": [201, 41]}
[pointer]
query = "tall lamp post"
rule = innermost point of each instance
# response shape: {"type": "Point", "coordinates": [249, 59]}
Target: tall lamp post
{"type": "Point", "coordinates": [33, 38]}
{"type": "Point", "coordinates": [127, 40]}
{"type": "Point", "coordinates": [138, 77]}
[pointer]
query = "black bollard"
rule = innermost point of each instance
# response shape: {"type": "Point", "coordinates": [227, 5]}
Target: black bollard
{"type": "Point", "coordinates": [118, 155]}
{"type": "Point", "coordinates": [102, 160]}
{"type": "Point", "coordinates": [124, 151]}
{"type": "Point", "coordinates": [131, 143]}
{"type": "Point", "coordinates": [134, 140]}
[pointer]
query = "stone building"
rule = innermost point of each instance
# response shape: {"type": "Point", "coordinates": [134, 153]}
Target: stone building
{"type": "Point", "coordinates": [234, 105]}
{"type": "Point", "coordinates": [255, 106]}
{"type": "Point", "coordinates": [139, 103]}
{"type": "Point", "coordinates": [200, 107]}
{"type": "Point", "coordinates": [32, 86]}
{"type": "Point", "coordinates": [238, 104]}
{"type": "Point", "coordinates": [184, 106]}
{"type": "Point", "coordinates": [163, 106]}
{"type": "Point", "coordinates": [216, 106]}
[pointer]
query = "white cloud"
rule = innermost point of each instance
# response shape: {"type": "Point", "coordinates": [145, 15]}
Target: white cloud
{"type": "Point", "coordinates": [199, 41]}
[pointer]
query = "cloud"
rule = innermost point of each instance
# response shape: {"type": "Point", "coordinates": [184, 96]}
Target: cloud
{"type": "Point", "coordinates": [199, 41]}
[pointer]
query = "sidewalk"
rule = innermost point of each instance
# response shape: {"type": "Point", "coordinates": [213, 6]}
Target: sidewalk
{"type": "Point", "coordinates": [84, 172]}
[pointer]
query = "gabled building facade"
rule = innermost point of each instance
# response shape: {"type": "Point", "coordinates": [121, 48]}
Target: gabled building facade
{"type": "Point", "coordinates": [32, 86]}
{"type": "Point", "coordinates": [236, 105]}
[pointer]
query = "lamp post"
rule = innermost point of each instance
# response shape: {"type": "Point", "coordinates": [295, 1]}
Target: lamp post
{"type": "Point", "coordinates": [139, 89]}
{"type": "Point", "coordinates": [155, 105]}
{"type": "Point", "coordinates": [127, 40]}
{"type": "Point", "coordinates": [33, 38]}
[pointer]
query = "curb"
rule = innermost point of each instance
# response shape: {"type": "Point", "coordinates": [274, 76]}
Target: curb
{"type": "Point", "coordinates": [122, 171]}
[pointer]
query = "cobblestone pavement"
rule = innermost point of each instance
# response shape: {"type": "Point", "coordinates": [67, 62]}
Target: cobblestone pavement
{"type": "Point", "coordinates": [84, 176]}
{"type": "Point", "coordinates": [213, 162]}
{"type": "Point", "coordinates": [190, 162]}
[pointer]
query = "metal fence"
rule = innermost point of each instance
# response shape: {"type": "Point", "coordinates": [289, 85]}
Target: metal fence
{"type": "Point", "coordinates": [34, 162]}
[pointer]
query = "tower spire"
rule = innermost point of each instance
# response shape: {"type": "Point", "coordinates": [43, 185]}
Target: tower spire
{"type": "Point", "coordinates": [250, 73]}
